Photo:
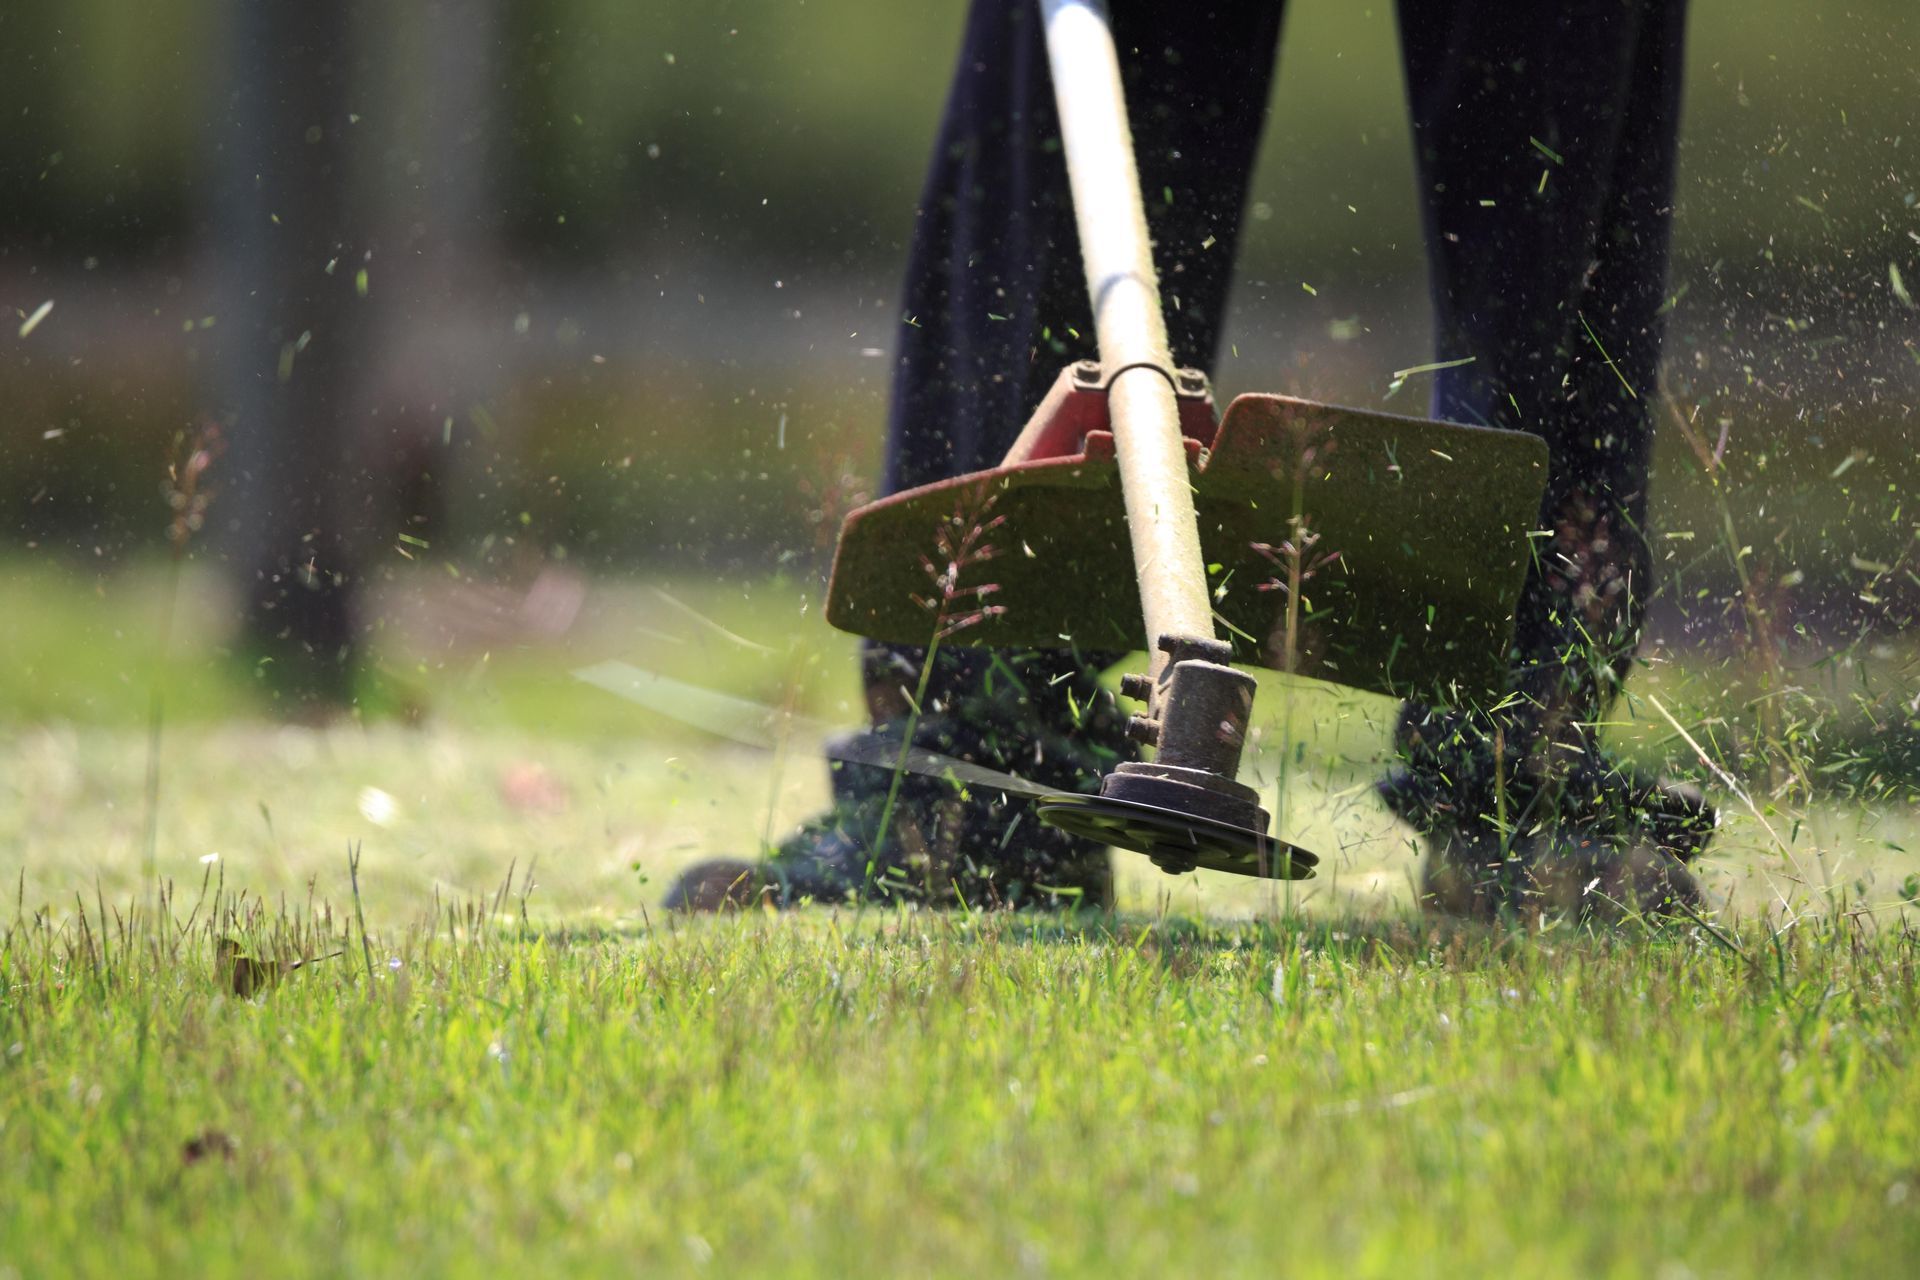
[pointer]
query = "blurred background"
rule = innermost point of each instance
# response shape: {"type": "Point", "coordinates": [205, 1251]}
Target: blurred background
{"type": "Point", "coordinates": [519, 334]}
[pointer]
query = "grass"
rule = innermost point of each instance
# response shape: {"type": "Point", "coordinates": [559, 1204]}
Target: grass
{"type": "Point", "coordinates": [457, 651]}
{"type": "Point", "coordinates": [519, 1062]}
{"type": "Point", "coordinates": [1222, 1076]}
{"type": "Point", "coordinates": [505, 757]}
{"type": "Point", "coordinates": [953, 1096]}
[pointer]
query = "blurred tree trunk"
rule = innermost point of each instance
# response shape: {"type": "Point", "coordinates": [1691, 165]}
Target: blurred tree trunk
{"type": "Point", "coordinates": [292, 244]}
{"type": "Point", "coordinates": [439, 255]}
{"type": "Point", "coordinates": [356, 235]}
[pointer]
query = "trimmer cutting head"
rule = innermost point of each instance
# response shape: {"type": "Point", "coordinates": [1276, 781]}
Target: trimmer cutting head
{"type": "Point", "coordinates": [1178, 841]}
{"type": "Point", "coordinates": [1407, 540]}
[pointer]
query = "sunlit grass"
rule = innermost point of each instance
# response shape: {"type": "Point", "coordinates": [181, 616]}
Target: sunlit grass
{"type": "Point", "coordinates": [82, 648]}
{"type": "Point", "coordinates": [945, 1095]}
{"type": "Point", "coordinates": [506, 757]}
{"type": "Point", "coordinates": [544, 1071]}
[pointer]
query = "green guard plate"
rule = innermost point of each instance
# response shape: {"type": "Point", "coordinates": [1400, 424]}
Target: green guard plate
{"type": "Point", "coordinates": [1422, 546]}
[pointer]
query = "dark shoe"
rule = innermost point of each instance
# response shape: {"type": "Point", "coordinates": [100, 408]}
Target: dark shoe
{"type": "Point", "coordinates": [1594, 881]}
{"type": "Point", "coordinates": [947, 854]}
{"type": "Point", "coordinates": [1599, 843]}
{"type": "Point", "coordinates": [1472, 879]}
{"type": "Point", "coordinates": [1571, 876]}
{"type": "Point", "coordinates": [1040, 716]}
{"type": "Point", "coordinates": [717, 884]}
{"type": "Point", "coordinates": [1675, 817]}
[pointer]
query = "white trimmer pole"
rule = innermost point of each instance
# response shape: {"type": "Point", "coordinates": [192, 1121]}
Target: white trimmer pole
{"type": "Point", "coordinates": [1198, 706]}
{"type": "Point", "coordinates": [1131, 328]}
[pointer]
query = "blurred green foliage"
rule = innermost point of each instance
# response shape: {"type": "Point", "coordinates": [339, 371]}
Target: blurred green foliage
{"type": "Point", "coordinates": [103, 104]}
{"type": "Point", "coordinates": [642, 142]}
{"type": "Point", "coordinates": [624, 117]}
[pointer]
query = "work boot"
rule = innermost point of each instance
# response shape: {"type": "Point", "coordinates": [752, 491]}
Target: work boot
{"type": "Point", "coordinates": [1041, 716]}
{"type": "Point", "coordinates": [1567, 874]}
{"type": "Point", "coordinates": [1583, 835]}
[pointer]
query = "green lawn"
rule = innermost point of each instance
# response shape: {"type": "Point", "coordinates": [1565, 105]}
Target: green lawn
{"type": "Point", "coordinates": [503, 757]}
{"type": "Point", "coordinates": [544, 1072]}
{"type": "Point", "coordinates": [942, 1095]}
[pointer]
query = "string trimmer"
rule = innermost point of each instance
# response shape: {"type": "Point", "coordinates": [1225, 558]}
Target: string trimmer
{"type": "Point", "coordinates": [1379, 552]}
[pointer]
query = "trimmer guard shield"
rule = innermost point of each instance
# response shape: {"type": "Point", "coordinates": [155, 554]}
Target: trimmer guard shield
{"type": "Point", "coordinates": [1420, 542]}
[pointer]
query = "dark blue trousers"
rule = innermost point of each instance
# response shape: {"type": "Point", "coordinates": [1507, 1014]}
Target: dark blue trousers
{"type": "Point", "coordinates": [1554, 291]}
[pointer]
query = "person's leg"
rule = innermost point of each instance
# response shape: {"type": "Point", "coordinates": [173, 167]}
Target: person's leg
{"type": "Point", "coordinates": [995, 305]}
{"type": "Point", "coordinates": [996, 301]}
{"type": "Point", "coordinates": [1546, 141]}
